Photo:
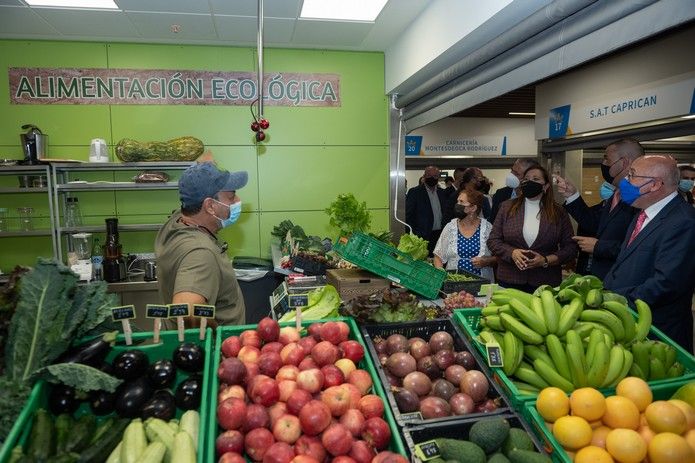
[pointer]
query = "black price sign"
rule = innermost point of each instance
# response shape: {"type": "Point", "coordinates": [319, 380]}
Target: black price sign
{"type": "Point", "coordinates": [178, 310]}
{"type": "Point", "coordinates": [157, 311]}
{"type": "Point", "coordinates": [125, 312]}
{"type": "Point", "coordinates": [298, 300]}
{"type": "Point", "coordinates": [407, 417]}
{"type": "Point", "coordinates": [494, 355]}
{"type": "Point", "coordinates": [203, 311]}
{"type": "Point", "coordinates": [427, 450]}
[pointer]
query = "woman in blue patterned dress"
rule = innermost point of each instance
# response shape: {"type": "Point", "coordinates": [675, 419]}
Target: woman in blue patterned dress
{"type": "Point", "coordinates": [463, 242]}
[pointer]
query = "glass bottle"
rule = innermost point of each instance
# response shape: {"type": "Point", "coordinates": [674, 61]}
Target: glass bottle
{"type": "Point", "coordinates": [113, 265]}
{"type": "Point", "coordinates": [73, 217]}
{"type": "Point", "coordinates": [97, 259]}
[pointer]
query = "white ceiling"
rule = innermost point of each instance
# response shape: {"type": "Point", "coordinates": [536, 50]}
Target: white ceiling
{"type": "Point", "coordinates": [216, 22]}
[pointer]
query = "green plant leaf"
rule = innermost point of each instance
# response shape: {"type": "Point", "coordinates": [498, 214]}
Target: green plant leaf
{"type": "Point", "coordinates": [82, 377]}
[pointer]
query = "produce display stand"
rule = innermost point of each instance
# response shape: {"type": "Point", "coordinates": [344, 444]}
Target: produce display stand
{"type": "Point", "coordinates": [224, 332]}
{"type": "Point", "coordinates": [459, 430]}
{"type": "Point", "coordinates": [19, 435]}
{"type": "Point", "coordinates": [424, 330]}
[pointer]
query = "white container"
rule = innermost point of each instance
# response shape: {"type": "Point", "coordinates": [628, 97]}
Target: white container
{"type": "Point", "coordinates": [98, 152]}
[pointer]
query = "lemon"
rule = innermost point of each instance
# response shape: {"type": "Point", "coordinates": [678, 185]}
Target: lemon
{"type": "Point", "coordinates": [626, 446]}
{"type": "Point", "coordinates": [668, 447]}
{"type": "Point", "coordinates": [572, 432]}
{"type": "Point", "coordinates": [635, 389]}
{"type": "Point", "coordinates": [663, 416]}
{"type": "Point", "coordinates": [621, 412]}
{"type": "Point", "coordinates": [552, 403]}
{"type": "Point", "coordinates": [593, 454]}
{"type": "Point", "coordinates": [588, 403]}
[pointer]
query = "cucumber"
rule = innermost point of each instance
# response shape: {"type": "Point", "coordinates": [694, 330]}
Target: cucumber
{"type": "Point", "coordinates": [63, 425]}
{"type": "Point", "coordinates": [134, 442]}
{"type": "Point", "coordinates": [81, 434]}
{"type": "Point", "coordinates": [42, 438]}
{"type": "Point", "coordinates": [101, 450]}
{"type": "Point", "coordinates": [102, 429]}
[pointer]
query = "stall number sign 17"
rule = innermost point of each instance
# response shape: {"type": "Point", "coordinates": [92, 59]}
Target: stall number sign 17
{"type": "Point", "coordinates": [427, 450]}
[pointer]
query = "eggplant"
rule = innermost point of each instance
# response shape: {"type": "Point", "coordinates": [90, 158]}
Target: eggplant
{"type": "Point", "coordinates": [91, 353]}
{"type": "Point", "coordinates": [130, 364]}
{"type": "Point", "coordinates": [189, 357]}
{"type": "Point", "coordinates": [162, 405]}
{"type": "Point", "coordinates": [131, 397]}
{"type": "Point", "coordinates": [62, 399]}
{"type": "Point", "coordinates": [188, 393]}
{"type": "Point", "coordinates": [102, 402]}
{"type": "Point", "coordinates": [162, 373]}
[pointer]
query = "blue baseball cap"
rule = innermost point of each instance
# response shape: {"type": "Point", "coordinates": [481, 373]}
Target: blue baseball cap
{"type": "Point", "coordinates": [204, 180]}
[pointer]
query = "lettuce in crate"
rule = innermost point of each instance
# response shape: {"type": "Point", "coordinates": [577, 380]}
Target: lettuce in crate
{"type": "Point", "coordinates": [414, 246]}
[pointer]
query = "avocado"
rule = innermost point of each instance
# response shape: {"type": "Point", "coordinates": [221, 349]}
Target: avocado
{"type": "Point", "coordinates": [517, 439]}
{"type": "Point", "coordinates": [460, 450]}
{"type": "Point", "coordinates": [527, 456]}
{"type": "Point", "coordinates": [497, 458]}
{"type": "Point", "coordinates": [489, 434]}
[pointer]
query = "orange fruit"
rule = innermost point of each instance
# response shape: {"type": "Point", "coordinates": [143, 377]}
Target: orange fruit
{"type": "Point", "coordinates": [668, 447]}
{"type": "Point", "coordinates": [663, 416]}
{"type": "Point", "coordinates": [690, 439]}
{"type": "Point", "coordinates": [635, 389]}
{"type": "Point", "coordinates": [572, 432]}
{"type": "Point", "coordinates": [621, 412]}
{"type": "Point", "coordinates": [598, 438]}
{"type": "Point", "coordinates": [626, 446]}
{"type": "Point", "coordinates": [588, 403]}
{"type": "Point", "coordinates": [552, 403]}
{"type": "Point", "coordinates": [593, 454]}
{"type": "Point", "coordinates": [687, 410]}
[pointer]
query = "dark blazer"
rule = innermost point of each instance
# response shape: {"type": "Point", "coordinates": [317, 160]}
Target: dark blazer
{"type": "Point", "coordinates": [553, 238]}
{"type": "Point", "coordinates": [606, 225]}
{"type": "Point", "coordinates": [500, 196]}
{"type": "Point", "coordinates": [418, 210]}
{"type": "Point", "coordinates": [659, 268]}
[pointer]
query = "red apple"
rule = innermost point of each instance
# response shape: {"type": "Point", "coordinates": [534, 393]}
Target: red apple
{"type": "Point", "coordinates": [298, 398]}
{"type": "Point", "coordinates": [310, 446]}
{"type": "Point", "coordinates": [251, 370]}
{"type": "Point", "coordinates": [250, 384]}
{"type": "Point", "coordinates": [288, 334]}
{"type": "Point", "coordinates": [269, 363]}
{"type": "Point", "coordinates": [337, 440]}
{"type": "Point", "coordinates": [344, 330]}
{"type": "Point", "coordinates": [346, 366]}
{"type": "Point", "coordinates": [355, 394]}
{"type": "Point", "coordinates": [287, 372]}
{"type": "Point", "coordinates": [265, 392]}
{"type": "Point", "coordinates": [276, 411]}
{"type": "Point", "coordinates": [337, 398]}
{"type": "Point", "coordinates": [389, 457]}
{"type": "Point", "coordinates": [268, 329]}
{"type": "Point", "coordinates": [231, 346]}
{"type": "Point", "coordinates": [352, 350]}
{"type": "Point", "coordinates": [257, 442]}
{"type": "Point", "coordinates": [231, 457]}
{"type": "Point", "coordinates": [362, 380]}
{"type": "Point", "coordinates": [249, 354]}
{"type": "Point", "coordinates": [362, 452]}
{"type": "Point", "coordinates": [343, 459]}
{"type": "Point", "coordinates": [279, 452]}
{"type": "Point", "coordinates": [307, 344]}
{"type": "Point", "coordinates": [377, 433]}
{"type": "Point", "coordinates": [256, 417]}
{"type": "Point", "coordinates": [332, 376]}
{"type": "Point", "coordinates": [314, 417]}
{"type": "Point", "coordinates": [272, 347]}
{"type": "Point", "coordinates": [287, 429]}
{"type": "Point", "coordinates": [292, 354]}
{"type": "Point", "coordinates": [231, 391]}
{"type": "Point", "coordinates": [314, 331]}
{"type": "Point", "coordinates": [354, 421]}
{"type": "Point", "coordinates": [307, 364]}
{"type": "Point", "coordinates": [325, 353]}
{"type": "Point", "coordinates": [286, 387]}
{"type": "Point", "coordinates": [231, 413]}
{"type": "Point", "coordinates": [304, 459]}
{"type": "Point", "coordinates": [231, 371]}
{"type": "Point", "coordinates": [229, 441]}
{"type": "Point", "coordinates": [330, 331]}
{"type": "Point", "coordinates": [250, 338]}
{"type": "Point", "coordinates": [310, 380]}
{"type": "Point", "coordinates": [371, 406]}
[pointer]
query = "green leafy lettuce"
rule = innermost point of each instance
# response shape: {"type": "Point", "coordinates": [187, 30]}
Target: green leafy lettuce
{"type": "Point", "coordinates": [323, 303]}
{"type": "Point", "coordinates": [349, 215]}
{"type": "Point", "coordinates": [414, 246]}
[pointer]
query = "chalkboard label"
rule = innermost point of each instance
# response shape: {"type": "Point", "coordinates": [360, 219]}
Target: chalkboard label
{"type": "Point", "coordinates": [178, 310]}
{"type": "Point", "coordinates": [203, 311]}
{"type": "Point", "coordinates": [427, 450]}
{"type": "Point", "coordinates": [407, 417]}
{"type": "Point", "coordinates": [298, 300]}
{"type": "Point", "coordinates": [494, 355]}
{"type": "Point", "coordinates": [125, 312]}
{"type": "Point", "coordinates": [157, 311]}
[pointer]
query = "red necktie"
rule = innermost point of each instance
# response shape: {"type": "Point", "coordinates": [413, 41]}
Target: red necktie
{"type": "Point", "coordinates": [638, 226]}
{"type": "Point", "coordinates": [616, 199]}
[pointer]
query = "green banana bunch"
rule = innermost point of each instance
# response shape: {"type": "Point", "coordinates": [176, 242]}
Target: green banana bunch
{"type": "Point", "coordinates": [655, 360]}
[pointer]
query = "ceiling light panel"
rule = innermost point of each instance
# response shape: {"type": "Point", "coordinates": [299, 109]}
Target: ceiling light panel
{"type": "Point", "coordinates": [101, 4]}
{"type": "Point", "coordinates": [341, 10]}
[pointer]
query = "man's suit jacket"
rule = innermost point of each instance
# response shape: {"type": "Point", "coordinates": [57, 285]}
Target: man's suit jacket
{"type": "Point", "coordinates": [553, 238]}
{"type": "Point", "coordinates": [659, 268]}
{"type": "Point", "coordinates": [418, 210]}
{"type": "Point", "coordinates": [500, 196]}
{"type": "Point", "coordinates": [606, 225]}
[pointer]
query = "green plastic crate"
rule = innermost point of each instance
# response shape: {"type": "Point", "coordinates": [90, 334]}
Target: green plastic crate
{"type": "Point", "coordinates": [19, 435]}
{"type": "Point", "coordinates": [557, 453]}
{"type": "Point", "coordinates": [388, 262]}
{"type": "Point", "coordinates": [224, 332]}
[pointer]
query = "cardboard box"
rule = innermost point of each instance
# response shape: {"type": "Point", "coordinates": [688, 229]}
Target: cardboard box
{"type": "Point", "coordinates": [351, 283]}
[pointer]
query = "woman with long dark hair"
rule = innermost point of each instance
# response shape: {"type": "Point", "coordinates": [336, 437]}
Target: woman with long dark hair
{"type": "Point", "coordinates": [532, 236]}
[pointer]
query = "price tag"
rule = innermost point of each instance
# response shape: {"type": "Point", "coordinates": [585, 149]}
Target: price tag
{"type": "Point", "coordinates": [124, 313]}
{"type": "Point", "coordinates": [427, 450]}
{"type": "Point", "coordinates": [494, 355]}
{"type": "Point", "coordinates": [179, 311]}
{"type": "Point", "coordinates": [203, 312]}
{"type": "Point", "coordinates": [298, 300]}
{"type": "Point", "coordinates": [408, 417]}
{"type": "Point", "coordinates": [156, 312]}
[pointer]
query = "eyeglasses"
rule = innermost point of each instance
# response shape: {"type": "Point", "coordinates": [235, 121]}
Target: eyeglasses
{"type": "Point", "coordinates": [631, 175]}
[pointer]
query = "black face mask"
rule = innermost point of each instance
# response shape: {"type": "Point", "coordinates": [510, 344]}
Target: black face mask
{"type": "Point", "coordinates": [531, 189]}
{"type": "Point", "coordinates": [606, 171]}
{"type": "Point", "coordinates": [431, 181]}
{"type": "Point", "coordinates": [460, 211]}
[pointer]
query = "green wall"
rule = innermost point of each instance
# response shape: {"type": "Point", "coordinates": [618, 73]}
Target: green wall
{"type": "Point", "coordinates": [311, 154]}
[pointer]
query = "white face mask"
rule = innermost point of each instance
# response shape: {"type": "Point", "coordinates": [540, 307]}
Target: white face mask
{"type": "Point", "coordinates": [512, 181]}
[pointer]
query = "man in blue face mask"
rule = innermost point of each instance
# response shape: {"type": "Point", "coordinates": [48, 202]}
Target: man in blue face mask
{"type": "Point", "coordinates": [655, 263]}
{"type": "Point", "coordinates": [601, 227]}
{"type": "Point", "coordinates": [686, 185]}
{"type": "Point", "coordinates": [192, 263]}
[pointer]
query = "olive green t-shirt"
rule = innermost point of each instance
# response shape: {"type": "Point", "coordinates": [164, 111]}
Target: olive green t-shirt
{"type": "Point", "coordinates": [191, 260]}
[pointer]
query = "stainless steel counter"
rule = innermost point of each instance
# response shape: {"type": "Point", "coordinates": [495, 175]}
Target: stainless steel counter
{"type": "Point", "coordinates": [132, 283]}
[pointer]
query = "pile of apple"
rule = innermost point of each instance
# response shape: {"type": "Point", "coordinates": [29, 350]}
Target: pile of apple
{"type": "Point", "coordinates": [285, 398]}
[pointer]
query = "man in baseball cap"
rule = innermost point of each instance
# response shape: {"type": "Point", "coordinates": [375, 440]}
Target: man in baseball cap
{"type": "Point", "coordinates": [192, 263]}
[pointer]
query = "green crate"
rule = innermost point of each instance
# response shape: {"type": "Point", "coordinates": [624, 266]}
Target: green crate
{"type": "Point", "coordinates": [388, 262]}
{"type": "Point", "coordinates": [224, 332]}
{"type": "Point", "coordinates": [557, 453]}
{"type": "Point", "coordinates": [19, 435]}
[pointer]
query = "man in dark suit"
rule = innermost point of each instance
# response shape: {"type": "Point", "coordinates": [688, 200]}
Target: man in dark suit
{"type": "Point", "coordinates": [424, 208]}
{"type": "Point", "coordinates": [602, 228]}
{"type": "Point", "coordinates": [511, 188]}
{"type": "Point", "coordinates": [655, 263]}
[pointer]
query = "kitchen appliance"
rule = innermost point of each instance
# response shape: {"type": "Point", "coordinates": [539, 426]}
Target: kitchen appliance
{"type": "Point", "coordinates": [98, 152]}
{"type": "Point", "coordinates": [82, 247]}
{"type": "Point", "coordinates": [34, 144]}
{"type": "Point", "coordinates": [114, 267]}
{"type": "Point", "coordinates": [150, 271]}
